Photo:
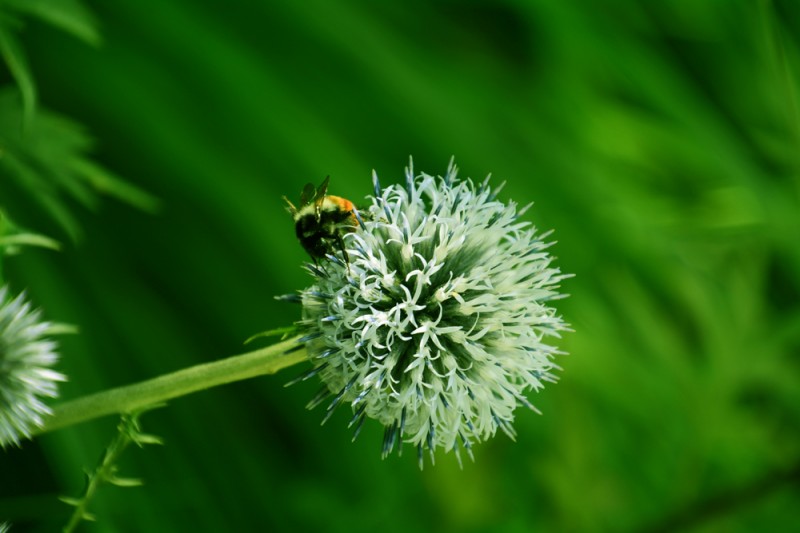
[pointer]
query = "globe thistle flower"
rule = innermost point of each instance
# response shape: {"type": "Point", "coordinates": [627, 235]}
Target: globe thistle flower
{"type": "Point", "coordinates": [436, 323]}
{"type": "Point", "coordinates": [26, 358]}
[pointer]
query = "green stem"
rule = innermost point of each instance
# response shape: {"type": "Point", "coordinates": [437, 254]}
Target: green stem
{"type": "Point", "coordinates": [130, 398]}
{"type": "Point", "coordinates": [104, 471]}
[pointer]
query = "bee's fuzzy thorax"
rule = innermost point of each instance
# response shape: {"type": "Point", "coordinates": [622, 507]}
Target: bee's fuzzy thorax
{"type": "Point", "coordinates": [330, 204]}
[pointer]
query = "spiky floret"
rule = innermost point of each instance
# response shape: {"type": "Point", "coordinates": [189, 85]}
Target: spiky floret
{"type": "Point", "coordinates": [440, 327]}
{"type": "Point", "coordinates": [26, 358]}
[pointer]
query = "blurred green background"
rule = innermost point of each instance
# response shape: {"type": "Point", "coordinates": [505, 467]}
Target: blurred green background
{"type": "Point", "coordinates": [658, 139]}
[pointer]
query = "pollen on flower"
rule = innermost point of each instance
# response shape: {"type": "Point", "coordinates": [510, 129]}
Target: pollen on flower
{"type": "Point", "coordinates": [26, 358]}
{"type": "Point", "coordinates": [441, 323]}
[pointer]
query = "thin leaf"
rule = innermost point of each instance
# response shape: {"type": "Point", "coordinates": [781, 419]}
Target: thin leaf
{"type": "Point", "coordinates": [74, 502]}
{"type": "Point", "coordinates": [105, 182]}
{"type": "Point", "coordinates": [29, 239]}
{"type": "Point", "coordinates": [17, 63]}
{"type": "Point", "coordinates": [284, 333]}
{"type": "Point", "coordinates": [12, 237]}
{"type": "Point", "coordinates": [59, 328]}
{"type": "Point", "coordinates": [124, 482]}
{"type": "Point", "coordinates": [69, 15]}
{"type": "Point", "coordinates": [143, 438]}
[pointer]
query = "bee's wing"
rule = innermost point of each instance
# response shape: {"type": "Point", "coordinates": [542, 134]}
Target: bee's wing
{"type": "Point", "coordinates": [322, 190]}
{"type": "Point", "coordinates": [307, 196]}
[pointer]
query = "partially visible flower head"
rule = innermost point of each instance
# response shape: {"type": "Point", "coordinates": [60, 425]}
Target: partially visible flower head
{"type": "Point", "coordinates": [26, 358]}
{"type": "Point", "coordinates": [439, 326]}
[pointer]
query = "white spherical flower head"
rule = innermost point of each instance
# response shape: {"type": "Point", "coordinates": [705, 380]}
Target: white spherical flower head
{"type": "Point", "coordinates": [438, 325]}
{"type": "Point", "coordinates": [26, 358]}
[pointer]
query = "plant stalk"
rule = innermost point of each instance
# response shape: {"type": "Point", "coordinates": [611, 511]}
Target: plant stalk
{"type": "Point", "coordinates": [129, 398]}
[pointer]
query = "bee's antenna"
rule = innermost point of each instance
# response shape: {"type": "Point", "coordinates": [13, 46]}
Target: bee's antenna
{"type": "Point", "coordinates": [290, 206]}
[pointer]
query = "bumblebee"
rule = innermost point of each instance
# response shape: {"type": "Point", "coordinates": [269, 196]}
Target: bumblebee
{"type": "Point", "coordinates": [322, 220]}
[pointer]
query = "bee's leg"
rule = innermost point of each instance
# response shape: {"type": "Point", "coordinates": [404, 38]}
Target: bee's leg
{"type": "Point", "coordinates": [340, 241]}
{"type": "Point", "coordinates": [320, 266]}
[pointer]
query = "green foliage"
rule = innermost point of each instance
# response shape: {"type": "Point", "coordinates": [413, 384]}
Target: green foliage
{"type": "Point", "coordinates": [658, 139]}
{"type": "Point", "coordinates": [47, 164]}
{"type": "Point", "coordinates": [69, 15]}
{"type": "Point", "coordinates": [14, 57]}
{"type": "Point", "coordinates": [44, 154]}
